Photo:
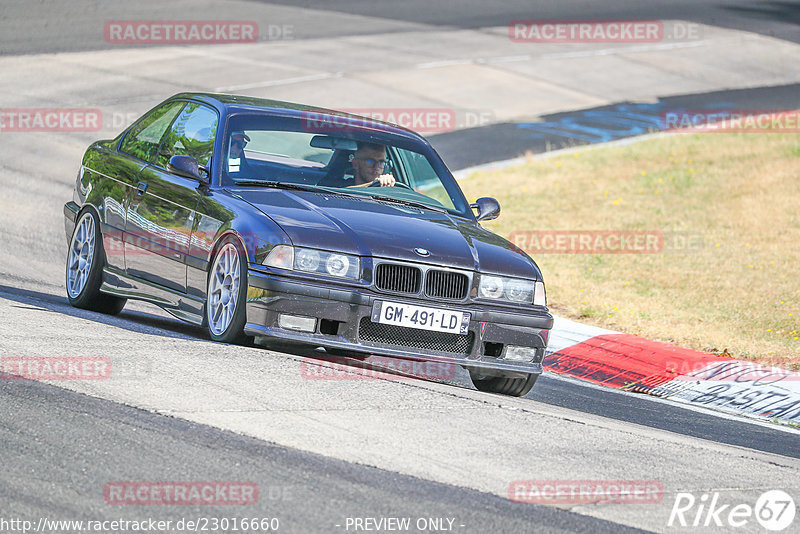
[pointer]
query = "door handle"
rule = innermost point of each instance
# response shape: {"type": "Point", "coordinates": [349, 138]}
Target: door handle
{"type": "Point", "coordinates": [141, 188]}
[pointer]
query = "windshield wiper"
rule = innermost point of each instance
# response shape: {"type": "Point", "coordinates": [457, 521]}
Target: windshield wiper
{"type": "Point", "coordinates": [386, 198]}
{"type": "Point", "coordinates": [298, 187]}
{"type": "Point", "coordinates": [332, 191]}
{"type": "Point", "coordinates": [279, 185]}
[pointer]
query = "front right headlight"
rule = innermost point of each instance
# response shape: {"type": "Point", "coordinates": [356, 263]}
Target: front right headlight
{"type": "Point", "coordinates": [516, 290]}
{"type": "Point", "coordinates": [310, 260]}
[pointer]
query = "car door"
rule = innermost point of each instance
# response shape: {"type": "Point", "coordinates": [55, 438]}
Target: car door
{"type": "Point", "coordinates": [162, 211]}
{"type": "Point", "coordinates": [118, 174]}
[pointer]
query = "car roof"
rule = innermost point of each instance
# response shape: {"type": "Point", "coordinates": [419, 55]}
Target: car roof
{"type": "Point", "coordinates": [240, 103]}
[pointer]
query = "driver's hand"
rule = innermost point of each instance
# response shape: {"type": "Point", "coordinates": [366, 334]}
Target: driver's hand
{"type": "Point", "coordinates": [386, 180]}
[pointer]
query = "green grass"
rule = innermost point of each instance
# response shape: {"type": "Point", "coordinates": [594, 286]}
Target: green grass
{"type": "Point", "coordinates": [735, 196]}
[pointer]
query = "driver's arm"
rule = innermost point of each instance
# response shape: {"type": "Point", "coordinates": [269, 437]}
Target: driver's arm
{"type": "Point", "coordinates": [385, 180]}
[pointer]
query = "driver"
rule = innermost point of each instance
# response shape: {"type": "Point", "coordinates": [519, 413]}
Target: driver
{"type": "Point", "coordinates": [237, 163]}
{"type": "Point", "coordinates": [369, 162]}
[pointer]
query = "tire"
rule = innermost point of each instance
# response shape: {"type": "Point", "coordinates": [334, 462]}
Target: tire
{"type": "Point", "coordinates": [514, 387]}
{"type": "Point", "coordinates": [226, 294]}
{"type": "Point", "coordinates": [84, 267]}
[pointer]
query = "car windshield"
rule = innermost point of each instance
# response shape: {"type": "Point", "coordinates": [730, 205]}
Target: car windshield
{"type": "Point", "coordinates": [344, 163]}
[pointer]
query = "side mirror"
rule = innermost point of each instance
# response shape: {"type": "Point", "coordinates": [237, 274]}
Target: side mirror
{"type": "Point", "coordinates": [488, 208]}
{"type": "Point", "coordinates": [185, 166]}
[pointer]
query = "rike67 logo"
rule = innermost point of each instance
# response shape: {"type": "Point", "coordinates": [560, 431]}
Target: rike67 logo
{"type": "Point", "coordinates": [774, 510]}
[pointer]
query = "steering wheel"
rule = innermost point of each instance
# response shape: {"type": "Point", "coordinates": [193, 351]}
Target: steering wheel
{"type": "Point", "coordinates": [396, 184]}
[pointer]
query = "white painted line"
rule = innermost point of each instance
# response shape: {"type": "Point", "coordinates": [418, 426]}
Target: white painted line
{"type": "Point", "coordinates": [625, 50]}
{"type": "Point", "coordinates": [474, 60]}
{"type": "Point", "coordinates": [444, 63]}
{"type": "Point", "coordinates": [233, 57]}
{"type": "Point", "coordinates": [508, 59]}
{"type": "Point", "coordinates": [562, 55]}
{"type": "Point", "coordinates": [285, 81]}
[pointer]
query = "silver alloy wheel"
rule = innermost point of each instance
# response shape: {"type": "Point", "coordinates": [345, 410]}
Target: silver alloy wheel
{"type": "Point", "coordinates": [223, 289]}
{"type": "Point", "coordinates": [81, 255]}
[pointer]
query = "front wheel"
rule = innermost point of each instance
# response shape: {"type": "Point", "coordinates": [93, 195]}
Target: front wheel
{"type": "Point", "coordinates": [226, 294]}
{"type": "Point", "coordinates": [85, 261]}
{"type": "Point", "coordinates": [514, 387]}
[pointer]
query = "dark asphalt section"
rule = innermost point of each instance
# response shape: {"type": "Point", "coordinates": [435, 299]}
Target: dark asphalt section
{"type": "Point", "coordinates": [612, 404]}
{"type": "Point", "coordinates": [476, 146]}
{"type": "Point", "coordinates": [776, 18]}
{"type": "Point", "coordinates": [633, 408]}
{"type": "Point", "coordinates": [53, 26]}
{"type": "Point", "coordinates": [61, 448]}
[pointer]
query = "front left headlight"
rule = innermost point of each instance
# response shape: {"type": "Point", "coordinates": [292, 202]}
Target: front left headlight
{"type": "Point", "coordinates": [310, 260]}
{"type": "Point", "coordinates": [515, 290]}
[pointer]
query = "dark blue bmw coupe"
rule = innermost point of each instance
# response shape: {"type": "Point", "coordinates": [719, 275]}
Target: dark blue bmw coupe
{"type": "Point", "coordinates": [303, 226]}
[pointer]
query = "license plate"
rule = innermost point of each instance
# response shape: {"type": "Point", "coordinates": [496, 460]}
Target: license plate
{"type": "Point", "coordinates": [422, 317]}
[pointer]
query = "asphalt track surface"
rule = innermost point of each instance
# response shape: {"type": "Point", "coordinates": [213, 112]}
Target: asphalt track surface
{"type": "Point", "coordinates": [555, 391]}
{"type": "Point", "coordinates": [60, 446]}
{"type": "Point", "coordinates": [52, 26]}
{"type": "Point", "coordinates": [775, 18]}
{"type": "Point", "coordinates": [508, 140]}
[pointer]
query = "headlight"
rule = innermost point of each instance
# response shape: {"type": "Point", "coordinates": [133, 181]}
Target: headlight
{"type": "Point", "coordinates": [511, 289]}
{"type": "Point", "coordinates": [519, 290]}
{"type": "Point", "coordinates": [310, 260]}
{"type": "Point", "coordinates": [307, 260]}
{"type": "Point", "coordinates": [337, 265]}
{"type": "Point", "coordinates": [491, 287]}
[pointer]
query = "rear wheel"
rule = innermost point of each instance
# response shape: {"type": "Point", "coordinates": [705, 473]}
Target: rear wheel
{"type": "Point", "coordinates": [514, 387]}
{"type": "Point", "coordinates": [85, 262]}
{"type": "Point", "coordinates": [227, 294]}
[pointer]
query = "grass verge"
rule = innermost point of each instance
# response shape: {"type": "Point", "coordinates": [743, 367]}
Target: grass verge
{"type": "Point", "coordinates": [727, 279]}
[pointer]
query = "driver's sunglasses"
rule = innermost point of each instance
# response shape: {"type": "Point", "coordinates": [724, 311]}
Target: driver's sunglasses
{"type": "Point", "coordinates": [381, 163]}
{"type": "Point", "coordinates": [241, 142]}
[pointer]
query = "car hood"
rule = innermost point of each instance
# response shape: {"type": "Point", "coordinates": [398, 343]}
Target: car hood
{"type": "Point", "coordinates": [387, 230]}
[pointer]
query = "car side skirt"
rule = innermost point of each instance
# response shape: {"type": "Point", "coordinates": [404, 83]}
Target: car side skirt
{"type": "Point", "coordinates": [185, 307]}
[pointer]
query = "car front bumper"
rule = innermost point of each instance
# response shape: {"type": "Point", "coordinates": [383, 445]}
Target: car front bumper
{"type": "Point", "coordinates": [343, 322]}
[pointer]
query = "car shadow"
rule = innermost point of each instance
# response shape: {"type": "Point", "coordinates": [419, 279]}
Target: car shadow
{"type": "Point", "coordinates": [338, 364]}
{"type": "Point", "coordinates": [131, 320]}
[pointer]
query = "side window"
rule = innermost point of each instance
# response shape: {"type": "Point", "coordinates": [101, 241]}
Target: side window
{"type": "Point", "coordinates": [420, 170]}
{"type": "Point", "coordinates": [192, 134]}
{"type": "Point", "coordinates": [142, 141]}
